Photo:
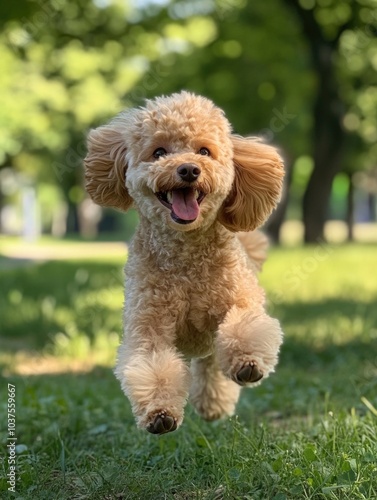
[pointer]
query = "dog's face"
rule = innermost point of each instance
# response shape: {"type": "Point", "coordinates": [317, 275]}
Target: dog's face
{"type": "Point", "coordinates": [178, 162]}
{"type": "Point", "coordinates": [180, 166]}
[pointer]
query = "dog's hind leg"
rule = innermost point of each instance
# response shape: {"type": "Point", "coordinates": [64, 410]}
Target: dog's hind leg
{"type": "Point", "coordinates": [213, 395]}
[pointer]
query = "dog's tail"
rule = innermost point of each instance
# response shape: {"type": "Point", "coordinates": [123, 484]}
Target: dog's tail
{"type": "Point", "coordinates": [256, 244]}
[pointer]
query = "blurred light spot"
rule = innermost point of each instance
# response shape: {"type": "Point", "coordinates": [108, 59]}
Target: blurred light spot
{"type": "Point", "coordinates": [366, 15]}
{"type": "Point", "coordinates": [175, 30]}
{"type": "Point", "coordinates": [114, 48]}
{"type": "Point", "coordinates": [355, 63]}
{"type": "Point", "coordinates": [369, 131]}
{"type": "Point", "coordinates": [15, 297]}
{"type": "Point", "coordinates": [307, 4]}
{"type": "Point", "coordinates": [340, 185]}
{"type": "Point", "coordinates": [351, 121]}
{"type": "Point", "coordinates": [48, 306]}
{"type": "Point", "coordinates": [81, 276]}
{"type": "Point", "coordinates": [19, 37]}
{"type": "Point", "coordinates": [342, 12]}
{"type": "Point", "coordinates": [201, 31]}
{"type": "Point", "coordinates": [324, 16]}
{"type": "Point", "coordinates": [232, 49]}
{"type": "Point", "coordinates": [76, 194]}
{"type": "Point", "coordinates": [266, 91]}
{"type": "Point", "coordinates": [302, 169]}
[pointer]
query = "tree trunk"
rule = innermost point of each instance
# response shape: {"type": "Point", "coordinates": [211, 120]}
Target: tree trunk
{"type": "Point", "coordinates": [318, 190]}
{"type": "Point", "coordinates": [328, 142]}
{"type": "Point", "coordinates": [275, 222]}
{"type": "Point", "coordinates": [72, 218]}
{"type": "Point", "coordinates": [328, 134]}
{"type": "Point", "coordinates": [315, 206]}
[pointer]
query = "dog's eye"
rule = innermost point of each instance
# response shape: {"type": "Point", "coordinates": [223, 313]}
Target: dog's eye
{"type": "Point", "coordinates": [159, 152]}
{"type": "Point", "coordinates": [204, 152]}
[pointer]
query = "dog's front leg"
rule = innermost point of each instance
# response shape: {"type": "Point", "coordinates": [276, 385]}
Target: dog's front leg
{"type": "Point", "coordinates": [153, 375]}
{"type": "Point", "coordinates": [247, 345]}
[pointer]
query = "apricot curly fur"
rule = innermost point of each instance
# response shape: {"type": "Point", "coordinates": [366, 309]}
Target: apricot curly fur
{"type": "Point", "coordinates": [194, 313]}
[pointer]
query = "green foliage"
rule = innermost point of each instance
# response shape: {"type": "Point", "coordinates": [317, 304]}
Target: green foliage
{"type": "Point", "coordinates": [67, 66]}
{"type": "Point", "coordinates": [309, 431]}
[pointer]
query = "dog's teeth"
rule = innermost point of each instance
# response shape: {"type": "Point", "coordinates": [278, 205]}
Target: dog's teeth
{"type": "Point", "coordinates": [169, 197]}
{"type": "Point", "coordinates": [197, 194]}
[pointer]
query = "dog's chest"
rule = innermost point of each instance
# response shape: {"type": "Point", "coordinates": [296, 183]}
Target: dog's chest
{"type": "Point", "coordinates": [208, 303]}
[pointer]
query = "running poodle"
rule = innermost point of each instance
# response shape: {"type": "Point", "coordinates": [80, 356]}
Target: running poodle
{"type": "Point", "coordinates": [195, 324]}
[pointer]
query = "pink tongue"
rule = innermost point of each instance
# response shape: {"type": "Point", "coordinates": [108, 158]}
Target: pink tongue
{"type": "Point", "coordinates": [184, 204]}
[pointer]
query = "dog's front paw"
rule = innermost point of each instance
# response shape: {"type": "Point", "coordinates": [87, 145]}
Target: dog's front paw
{"type": "Point", "coordinates": [161, 423]}
{"type": "Point", "coordinates": [247, 373]}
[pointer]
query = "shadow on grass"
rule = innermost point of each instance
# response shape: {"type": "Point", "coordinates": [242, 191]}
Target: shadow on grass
{"type": "Point", "coordinates": [330, 346]}
{"type": "Point", "coordinates": [43, 299]}
{"type": "Point", "coordinates": [327, 310]}
{"type": "Point", "coordinates": [308, 380]}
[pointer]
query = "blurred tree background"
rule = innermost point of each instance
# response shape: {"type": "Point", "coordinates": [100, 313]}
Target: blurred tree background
{"type": "Point", "coordinates": [299, 73]}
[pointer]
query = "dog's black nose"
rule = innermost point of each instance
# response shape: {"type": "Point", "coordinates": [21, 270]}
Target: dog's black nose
{"type": "Point", "coordinates": [188, 172]}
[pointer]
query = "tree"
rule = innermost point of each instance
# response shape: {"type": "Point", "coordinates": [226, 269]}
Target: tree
{"type": "Point", "coordinates": [315, 73]}
{"type": "Point", "coordinates": [323, 24]}
{"type": "Point", "coordinates": [249, 67]}
{"type": "Point", "coordinates": [302, 84]}
{"type": "Point", "coordinates": [65, 67]}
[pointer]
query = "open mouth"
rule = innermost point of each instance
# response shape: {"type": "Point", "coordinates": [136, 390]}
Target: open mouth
{"type": "Point", "coordinates": [183, 203]}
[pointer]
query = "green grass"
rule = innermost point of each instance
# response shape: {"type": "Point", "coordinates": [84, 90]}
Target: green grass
{"type": "Point", "coordinates": [308, 432]}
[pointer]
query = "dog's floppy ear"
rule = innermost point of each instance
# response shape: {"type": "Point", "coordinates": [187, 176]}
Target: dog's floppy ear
{"type": "Point", "coordinates": [257, 185]}
{"type": "Point", "coordinates": [105, 167]}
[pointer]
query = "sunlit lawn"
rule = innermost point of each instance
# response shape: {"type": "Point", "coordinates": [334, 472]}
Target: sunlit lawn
{"type": "Point", "coordinates": [309, 431]}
